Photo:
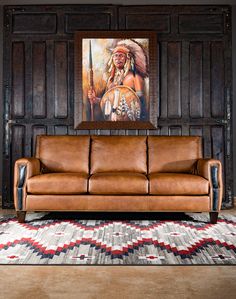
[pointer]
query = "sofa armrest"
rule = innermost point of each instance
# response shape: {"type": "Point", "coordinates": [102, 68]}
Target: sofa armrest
{"type": "Point", "coordinates": [211, 170]}
{"type": "Point", "coordinates": [23, 170]}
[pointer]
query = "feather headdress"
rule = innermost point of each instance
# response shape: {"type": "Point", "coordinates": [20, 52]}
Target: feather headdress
{"type": "Point", "coordinates": [137, 52]}
{"type": "Point", "coordinates": [137, 57]}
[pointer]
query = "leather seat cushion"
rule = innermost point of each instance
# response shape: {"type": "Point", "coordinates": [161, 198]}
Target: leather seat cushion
{"type": "Point", "coordinates": [178, 184]}
{"type": "Point", "coordinates": [58, 183]}
{"type": "Point", "coordinates": [118, 183]}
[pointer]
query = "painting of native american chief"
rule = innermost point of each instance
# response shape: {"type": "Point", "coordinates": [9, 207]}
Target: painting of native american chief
{"type": "Point", "coordinates": [115, 79]}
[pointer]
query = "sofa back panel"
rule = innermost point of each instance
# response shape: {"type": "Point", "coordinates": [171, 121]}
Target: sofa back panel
{"type": "Point", "coordinates": [64, 153]}
{"type": "Point", "coordinates": [173, 153]}
{"type": "Point", "coordinates": [118, 153]}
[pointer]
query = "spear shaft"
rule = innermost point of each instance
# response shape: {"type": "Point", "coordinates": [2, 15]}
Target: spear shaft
{"type": "Point", "coordinates": [91, 84]}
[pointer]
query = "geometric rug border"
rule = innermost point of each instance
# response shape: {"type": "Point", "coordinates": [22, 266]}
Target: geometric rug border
{"type": "Point", "coordinates": [79, 242]}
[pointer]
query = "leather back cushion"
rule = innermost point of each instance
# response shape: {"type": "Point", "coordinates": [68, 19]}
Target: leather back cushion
{"type": "Point", "coordinates": [64, 153]}
{"type": "Point", "coordinates": [118, 153]}
{"type": "Point", "coordinates": [173, 153]}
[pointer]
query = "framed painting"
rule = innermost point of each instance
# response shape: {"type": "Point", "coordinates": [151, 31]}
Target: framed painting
{"type": "Point", "coordinates": [115, 80]}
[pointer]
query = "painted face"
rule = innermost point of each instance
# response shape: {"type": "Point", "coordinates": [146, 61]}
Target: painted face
{"type": "Point", "coordinates": [119, 59]}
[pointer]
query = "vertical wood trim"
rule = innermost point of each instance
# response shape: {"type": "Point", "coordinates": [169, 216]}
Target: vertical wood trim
{"type": "Point", "coordinates": [175, 131]}
{"type": "Point", "coordinates": [28, 79]}
{"type": "Point", "coordinates": [207, 142]}
{"type": "Point", "coordinates": [217, 145]}
{"type": "Point", "coordinates": [61, 97]}
{"type": "Point", "coordinates": [174, 66]}
{"type": "Point", "coordinates": [217, 79]}
{"type": "Point", "coordinates": [61, 130]}
{"type": "Point", "coordinates": [185, 79]}
{"type": "Point", "coordinates": [28, 140]}
{"type": "Point", "coordinates": [206, 80]}
{"type": "Point", "coordinates": [39, 64]}
{"type": "Point", "coordinates": [37, 130]}
{"type": "Point", "coordinates": [18, 135]}
{"type": "Point", "coordinates": [18, 82]}
{"type": "Point", "coordinates": [185, 130]}
{"type": "Point", "coordinates": [164, 130]}
{"type": "Point", "coordinates": [196, 101]}
{"type": "Point", "coordinates": [50, 79]}
{"type": "Point", "coordinates": [163, 79]}
{"type": "Point", "coordinates": [218, 152]}
{"type": "Point", "coordinates": [195, 131]}
{"type": "Point", "coordinates": [71, 79]}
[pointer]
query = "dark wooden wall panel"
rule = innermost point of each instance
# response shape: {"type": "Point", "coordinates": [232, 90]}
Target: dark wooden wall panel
{"type": "Point", "coordinates": [50, 80]}
{"type": "Point", "coordinates": [201, 23]}
{"type": "Point", "coordinates": [60, 130]}
{"type": "Point", "coordinates": [28, 80]}
{"type": "Point", "coordinates": [37, 130]}
{"type": "Point", "coordinates": [195, 131]}
{"type": "Point", "coordinates": [217, 78]}
{"type": "Point", "coordinates": [163, 80]}
{"type": "Point", "coordinates": [39, 78]}
{"type": "Point", "coordinates": [195, 72]}
{"type": "Point", "coordinates": [217, 133]}
{"type": "Point", "coordinates": [17, 151]}
{"type": "Point", "coordinates": [185, 77]}
{"type": "Point", "coordinates": [34, 23]}
{"type": "Point", "coordinates": [175, 131]}
{"type": "Point", "coordinates": [207, 142]}
{"type": "Point", "coordinates": [61, 88]}
{"type": "Point", "coordinates": [86, 21]}
{"type": "Point", "coordinates": [18, 79]}
{"type": "Point", "coordinates": [194, 75]}
{"type": "Point", "coordinates": [18, 146]}
{"type": "Point", "coordinates": [159, 23]}
{"type": "Point", "coordinates": [173, 81]}
{"type": "Point", "coordinates": [206, 80]}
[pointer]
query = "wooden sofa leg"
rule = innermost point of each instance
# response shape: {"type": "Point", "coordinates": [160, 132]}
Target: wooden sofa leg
{"type": "Point", "coordinates": [21, 216]}
{"type": "Point", "coordinates": [213, 217]}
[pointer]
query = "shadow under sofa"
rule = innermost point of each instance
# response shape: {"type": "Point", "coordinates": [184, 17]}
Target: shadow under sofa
{"type": "Point", "coordinates": [118, 174]}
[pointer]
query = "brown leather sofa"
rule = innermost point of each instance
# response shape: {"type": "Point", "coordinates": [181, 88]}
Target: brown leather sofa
{"type": "Point", "coordinates": [118, 173]}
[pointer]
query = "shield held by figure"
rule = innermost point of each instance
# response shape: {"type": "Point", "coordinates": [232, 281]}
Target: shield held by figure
{"type": "Point", "coordinates": [121, 103]}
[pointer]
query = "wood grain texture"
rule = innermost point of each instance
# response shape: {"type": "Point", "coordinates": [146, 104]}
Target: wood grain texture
{"type": "Point", "coordinates": [198, 23]}
{"type": "Point", "coordinates": [39, 79]}
{"type": "Point", "coordinates": [174, 80]}
{"type": "Point", "coordinates": [18, 79]}
{"type": "Point", "coordinates": [18, 135]}
{"type": "Point", "coordinates": [61, 82]}
{"type": "Point", "coordinates": [196, 75]}
{"type": "Point", "coordinates": [37, 130]}
{"type": "Point", "coordinates": [158, 22]}
{"type": "Point", "coordinates": [34, 23]}
{"type": "Point", "coordinates": [217, 79]}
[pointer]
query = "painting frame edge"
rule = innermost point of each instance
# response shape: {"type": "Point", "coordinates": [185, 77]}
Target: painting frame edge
{"type": "Point", "coordinates": [79, 123]}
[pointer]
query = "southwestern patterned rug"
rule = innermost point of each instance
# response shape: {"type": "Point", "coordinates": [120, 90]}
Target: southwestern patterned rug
{"type": "Point", "coordinates": [43, 240]}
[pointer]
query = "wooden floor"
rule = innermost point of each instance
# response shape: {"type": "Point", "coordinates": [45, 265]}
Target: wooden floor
{"type": "Point", "coordinates": [105, 282]}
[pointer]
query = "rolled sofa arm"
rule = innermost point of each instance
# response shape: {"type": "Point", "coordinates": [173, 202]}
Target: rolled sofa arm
{"type": "Point", "coordinates": [24, 169]}
{"type": "Point", "coordinates": [211, 170]}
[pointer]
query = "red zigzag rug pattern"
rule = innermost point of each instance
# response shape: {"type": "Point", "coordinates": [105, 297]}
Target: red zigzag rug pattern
{"type": "Point", "coordinates": [119, 242]}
